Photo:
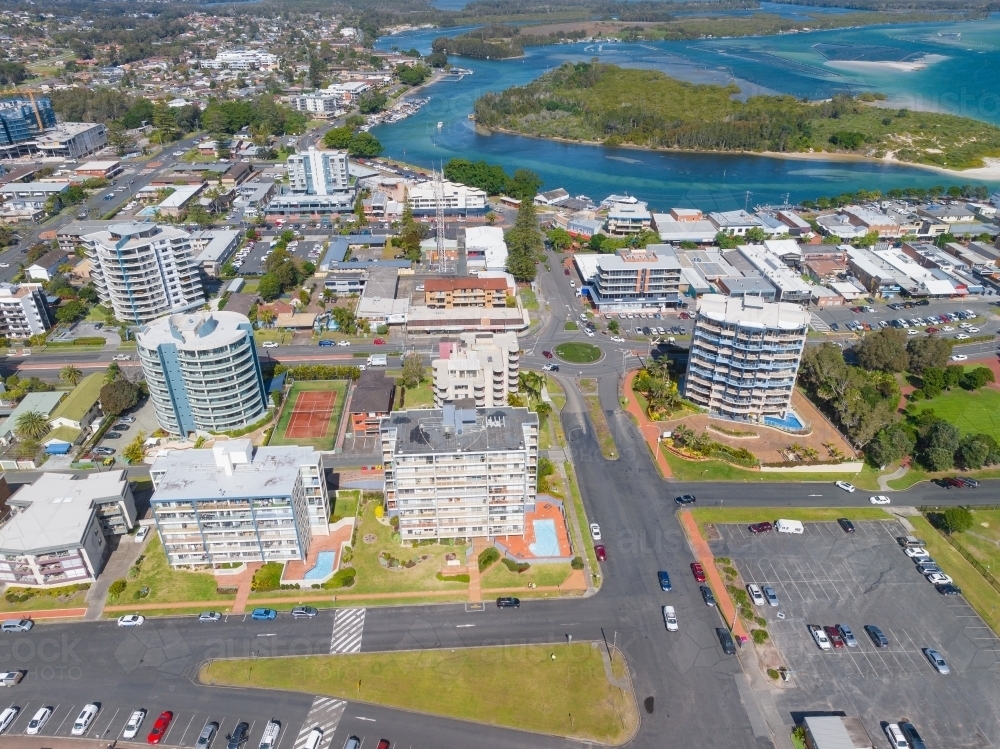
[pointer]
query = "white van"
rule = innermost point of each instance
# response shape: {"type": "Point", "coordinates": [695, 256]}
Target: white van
{"type": "Point", "coordinates": [788, 526]}
{"type": "Point", "coordinates": [313, 739]}
{"type": "Point", "coordinates": [83, 722]}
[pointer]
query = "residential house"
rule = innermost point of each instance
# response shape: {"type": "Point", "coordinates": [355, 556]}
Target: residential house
{"type": "Point", "coordinates": [372, 398]}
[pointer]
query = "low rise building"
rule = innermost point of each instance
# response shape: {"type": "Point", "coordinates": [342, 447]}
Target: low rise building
{"type": "Point", "coordinates": [99, 169]}
{"type": "Point", "coordinates": [457, 199]}
{"type": "Point", "coordinates": [179, 199]}
{"type": "Point", "coordinates": [632, 278]}
{"type": "Point", "coordinates": [872, 221]}
{"type": "Point", "coordinates": [320, 105]}
{"type": "Point", "coordinates": [23, 311]}
{"type": "Point", "coordinates": [744, 357]}
{"type": "Point", "coordinates": [60, 528]}
{"type": "Point", "coordinates": [684, 225]}
{"type": "Point", "coordinates": [372, 398]}
{"type": "Point", "coordinates": [82, 406]}
{"type": "Point", "coordinates": [426, 320]}
{"type": "Point", "coordinates": [789, 285]}
{"type": "Point", "coordinates": [466, 291]}
{"type": "Point", "coordinates": [485, 248]}
{"type": "Point", "coordinates": [232, 504]}
{"type": "Point", "coordinates": [459, 472]}
{"type": "Point", "coordinates": [625, 218]}
{"type": "Point", "coordinates": [26, 201]}
{"type": "Point", "coordinates": [483, 367]}
{"type": "Point", "coordinates": [213, 247]}
{"type": "Point", "coordinates": [45, 267]}
{"type": "Point", "coordinates": [737, 223]}
{"type": "Point", "coordinates": [43, 403]}
{"type": "Point", "coordinates": [243, 59]}
{"type": "Point", "coordinates": [73, 140]}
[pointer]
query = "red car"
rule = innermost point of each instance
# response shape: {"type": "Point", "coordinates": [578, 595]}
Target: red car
{"type": "Point", "coordinates": [547, 354]}
{"type": "Point", "coordinates": [160, 727]}
{"type": "Point", "coordinates": [601, 553]}
{"type": "Point", "coordinates": [566, 271]}
{"type": "Point", "coordinates": [760, 527]}
{"type": "Point", "coordinates": [383, 744]}
{"type": "Point", "coordinates": [835, 639]}
{"type": "Point", "coordinates": [379, 341]}
{"type": "Point", "coordinates": [685, 316]}
{"type": "Point", "coordinates": [698, 571]}
{"type": "Point", "coordinates": [931, 331]}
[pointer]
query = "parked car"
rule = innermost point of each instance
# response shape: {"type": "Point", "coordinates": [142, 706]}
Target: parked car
{"type": "Point", "coordinates": [770, 595]}
{"type": "Point", "coordinates": [725, 640]}
{"type": "Point", "coordinates": [84, 719]}
{"type": "Point", "coordinates": [834, 636]}
{"type": "Point", "coordinates": [601, 553]}
{"type": "Point", "coordinates": [17, 625]}
{"type": "Point", "coordinates": [160, 727]}
{"type": "Point", "coordinates": [209, 617]}
{"type": "Point", "coordinates": [38, 721]}
{"type": "Point", "coordinates": [7, 717]}
{"type": "Point", "coordinates": [822, 641]}
{"type": "Point", "coordinates": [685, 499]}
{"type": "Point", "coordinates": [698, 571]}
{"type": "Point", "coordinates": [916, 553]}
{"type": "Point", "coordinates": [847, 635]}
{"type": "Point", "coordinates": [756, 595]}
{"type": "Point", "coordinates": [880, 499]}
{"type": "Point", "coordinates": [969, 482]}
{"type": "Point", "coordinates": [207, 735]}
{"type": "Point", "coordinates": [11, 678]}
{"type": "Point", "coordinates": [706, 595]}
{"type": "Point", "coordinates": [127, 419]}
{"type": "Point", "coordinates": [113, 435]}
{"type": "Point", "coordinates": [760, 527]}
{"type": "Point", "coordinates": [846, 524]}
{"type": "Point", "coordinates": [896, 737]}
{"type": "Point", "coordinates": [508, 602]}
{"type": "Point", "coordinates": [939, 578]}
{"type": "Point", "coordinates": [140, 535]}
{"type": "Point", "coordinates": [948, 589]}
{"type": "Point", "coordinates": [239, 736]}
{"type": "Point", "coordinates": [910, 731]}
{"type": "Point", "coordinates": [263, 614]}
{"type": "Point", "coordinates": [304, 612]}
{"type": "Point", "coordinates": [878, 638]}
{"type": "Point", "coordinates": [131, 620]}
{"type": "Point", "coordinates": [134, 723]}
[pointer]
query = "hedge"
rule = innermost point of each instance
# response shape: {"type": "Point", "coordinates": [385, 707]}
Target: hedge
{"type": "Point", "coordinates": [488, 557]}
{"type": "Point", "coordinates": [247, 429]}
{"type": "Point", "coordinates": [453, 578]}
{"type": "Point", "coordinates": [319, 372]}
{"type": "Point", "coordinates": [343, 578]}
{"type": "Point", "coordinates": [515, 566]}
{"type": "Point", "coordinates": [268, 577]}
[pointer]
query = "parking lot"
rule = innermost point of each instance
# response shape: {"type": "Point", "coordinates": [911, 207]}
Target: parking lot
{"type": "Point", "coordinates": [310, 248]}
{"type": "Point", "coordinates": [145, 421]}
{"type": "Point", "coordinates": [826, 576]}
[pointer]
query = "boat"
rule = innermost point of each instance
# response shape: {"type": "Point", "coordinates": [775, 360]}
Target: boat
{"type": "Point", "coordinates": [270, 738]}
{"type": "Point", "coordinates": [472, 116]}
{"type": "Point", "coordinates": [440, 125]}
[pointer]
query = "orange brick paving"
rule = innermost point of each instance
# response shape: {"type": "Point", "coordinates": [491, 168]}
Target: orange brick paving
{"type": "Point", "coordinates": [520, 546]}
{"type": "Point", "coordinates": [649, 431]}
{"type": "Point", "coordinates": [47, 614]}
{"type": "Point", "coordinates": [243, 581]}
{"type": "Point", "coordinates": [704, 555]}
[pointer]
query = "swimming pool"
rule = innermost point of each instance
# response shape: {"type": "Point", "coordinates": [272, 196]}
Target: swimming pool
{"type": "Point", "coordinates": [546, 542]}
{"type": "Point", "coordinates": [791, 421]}
{"type": "Point", "coordinates": [323, 568]}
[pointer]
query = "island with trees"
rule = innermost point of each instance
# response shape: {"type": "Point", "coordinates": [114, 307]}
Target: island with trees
{"type": "Point", "coordinates": [599, 103]}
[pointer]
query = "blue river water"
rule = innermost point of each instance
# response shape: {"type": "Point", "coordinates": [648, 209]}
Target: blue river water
{"type": "Point", "coordinates": [959, 75]}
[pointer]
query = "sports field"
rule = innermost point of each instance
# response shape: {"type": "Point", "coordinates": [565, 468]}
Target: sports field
{"type": "Point", "coordinates": [311, 414]}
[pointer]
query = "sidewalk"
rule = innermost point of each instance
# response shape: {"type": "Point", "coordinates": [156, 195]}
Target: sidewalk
{"type": "Point", "coordinates": [649, 431]}
{"type": "Point", "coordinates": [47, 614]}
{"type": "Point", "coordinates": [704, 555]}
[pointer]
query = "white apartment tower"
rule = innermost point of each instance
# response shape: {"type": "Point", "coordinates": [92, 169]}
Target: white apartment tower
{"type": "Point", "coordinates": [483, 367]}
{"type": "Point", "coordinates": [318, 172]}
{"type": "Point", "coordinates": [744, 357]}
{"type": "Point", "coordinates": [143, 271]}
{"type": "Point", "coordinates": [23, 311]}
{"type": "Point", "coordinates": [460, 472]}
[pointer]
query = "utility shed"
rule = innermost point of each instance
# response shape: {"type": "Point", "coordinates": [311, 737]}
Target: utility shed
{"type": "Point", "coordinates": [835, 732]}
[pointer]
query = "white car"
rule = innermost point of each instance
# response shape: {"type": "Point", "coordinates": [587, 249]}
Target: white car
{"type": "Point", "coordinates": [343, 343]}
{"type": "Point", "coordinates": [939, 578]}
{"type": "Point", "coordinates": [134, 724]}
{"type": "Point", "coordinates": [911, 331]}
{"type": "Point", "coordinates": [270, 344]}
{"type": "Point", "coordinates": [121, 357]}
{"type": "Point", "coordinates": [595, 531]}
{"type": "Point", "coordinates": [961, 337]}
{"type": "Point", "coordinates": [670, 618]}
{"type": "Point", "coordinates": [916, 552]}
{"type": "Point", "coordinates": [973, 330]}
{"type": "Point", "coordinates": [140, 536]}
{"type": "Point", "coordinates": [84, 719]}
{"type": "Point", "coordinates": [617, 339]}
{"type": "Point", "coordinates": [178, 153]}
{"type": "Point", "coordinates": [959, 357]}
{"type": "Point", "coordinates": [4, 265]}
{"type": "Point", "coordinates": [131, 620]}
{"type": "Point", "coordinates": [756, 595]}
{"type": "Point", "coordinates": [590, 333]}
{"type": "Point", "coordinates": [845, 486]}
{"type": "Point", "coordinates": [7, 717]}
{"type": "Point", "coordinates": [881, 499]}
{"type": "Point", "coordinates": [947, 329]}
{"type": "Point", "coordinates": [38, 720]}
{"type": "Point", "coordinates": [820, 637]}
{"type": "Point", "coordinates": [896, 738]}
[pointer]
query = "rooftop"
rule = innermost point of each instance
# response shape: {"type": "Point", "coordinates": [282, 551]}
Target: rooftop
{"type": "Point", "coordinates": [40, 402]}
{"type": "Point", "coordinates": [453, 429]}
{"type": "Point", "coordinates": [752, 312]}
{"type": "Point", "coordinates": [81, 398]}
{"type": "Point", "coordinates": [454, 283]}
{"type": "Point", "coordinates": [194, 330]}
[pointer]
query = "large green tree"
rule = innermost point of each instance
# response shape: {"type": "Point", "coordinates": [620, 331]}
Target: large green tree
{"type": "Point", "coordinates": [928, 351]}
{"type": "Point", "coordinates": [118, 397]}
{"type": "Point", "coordinates": [884, 350]}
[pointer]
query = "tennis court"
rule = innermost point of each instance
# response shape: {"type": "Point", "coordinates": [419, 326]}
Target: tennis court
{"type": "Point", "coordinates": [311, 414]}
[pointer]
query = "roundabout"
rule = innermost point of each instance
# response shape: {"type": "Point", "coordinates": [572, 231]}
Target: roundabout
{"type": "Point", "coordinates": [576, 352]}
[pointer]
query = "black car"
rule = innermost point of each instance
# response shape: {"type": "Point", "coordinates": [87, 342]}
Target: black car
{"type": "Point", "coordinates": [508, 602]}
{"type": "Point", "coordinates": [910, 732]}
{"type": "Point", "coordinates": [726, 640]}
{"type": "Point", "coordinates": [876, 635]}
{"type": "Point", "coordinates": [846, 524]}
{"type": "Point", "coordinates": [706, 594]}
{"type": "Point", "coordinates": [113, 435]}
{"type": "Point", "coordinates": [239, 736]}
{"type": "Point", "coordinates": [685, 499]}
{"type": "Point", "coordinates": [948, 589]}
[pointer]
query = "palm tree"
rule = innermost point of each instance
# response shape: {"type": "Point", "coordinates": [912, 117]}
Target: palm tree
{"type": "Point", "coordinates": [491, 218]}
{"type": "Point", "coordinates": [32, 425]}
{"type": "Point", "coordinates": [544, 410]}
{"type": "Point", "coordinates": [71, 375]}
{"type": "Point", "coordinates": [266, 316]}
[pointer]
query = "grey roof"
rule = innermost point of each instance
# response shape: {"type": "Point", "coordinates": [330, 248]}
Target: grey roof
{"type": "Point", "coordinates": [828, 732]}
{"type": "Point", "coordinates": [194, 475]}
{"type": "Point", "coordinates": [451, 429]}
{"type": "Point", "coordinates": [374, 393]}
{"type": "Point", "coordinates": [41, 402]}
{"type": "Point", "coordinates": [750, 284]}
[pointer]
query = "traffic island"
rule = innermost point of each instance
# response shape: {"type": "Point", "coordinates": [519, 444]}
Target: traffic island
{"type": "Point", "coordinates": [579, 353]}
{"type": "Point", "coordinates": [560, 690]}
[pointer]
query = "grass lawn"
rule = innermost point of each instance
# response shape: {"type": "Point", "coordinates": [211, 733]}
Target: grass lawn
{"type": "Point", "coordinates": [529, 300]}
{"type": "Point", "coordinates": [982, 538]}
{"type": "Point", "coordinates": [345, 504]}
{"type": "Point", "coordinates": [598, 419]}
{"type": "Point", "coordinates": [498, 576]}
{"type": "Point", "coordinates": [979, 593]}
{"type": "Point", "coordinates": [167, 585]}
{"type": "Point", "coordinates": [581, 517]}
{"type": "Point", "coordinates": [329, 440]}
{"type": "Point", "coordinates": [556, 392]}
{"type": "Point", "coordinates": [570, 325]}
{"type": "Point", "coordinates": [372, 577]}
{"type": "Point", "coordinates": [578, 353]}
{"type": "Point", "coordinates": [272, 334]}
{"type": "Point", "coordinates": [70, 599]}
{"type": "Point", "coordinates": [717, 470]}
{"type": "Point", "coordinates": [739, 515]}
{"type": "Point", "coordinates": [516, 686]}
{"type": "Point", "coordinates": [421, 396]}
{"type": "Point", "coordinates": [972, 412]}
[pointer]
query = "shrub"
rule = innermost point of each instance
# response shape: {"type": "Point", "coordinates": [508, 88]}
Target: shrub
{"type": "Point", "coordinates": [773, 673]}
{"type": "Point", "coordinates": [759, 636]}
{"type": "Point", "coordinates": [760, 621]}
{"type": "Point", "coordinates": [379, 512]}
{"type": "Point", "coordinates": [453, 578]}
{"type": "Point", "coordinates": [343, 578]}
{"type": "Point", "coordinates": [267, 578]}
{"type": "Point", "coordinates": [487, 558]}
{"type": "Point", "coordinates": [515, 566]}
{"type": "Point", "coordinates": [577, 563]}
{"type": "Point", "coordinates": [117, 588]}
{"type": "Point", "coordinates": [723, 560]}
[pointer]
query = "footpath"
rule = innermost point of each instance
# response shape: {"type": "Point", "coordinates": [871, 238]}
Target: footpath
{"type": "Point", "coordinates": [649, 431]}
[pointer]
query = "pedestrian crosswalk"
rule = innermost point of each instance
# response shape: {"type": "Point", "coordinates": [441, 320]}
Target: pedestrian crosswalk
{"type": "Point", "coordinates": [348, 627]}
{"type": "Point", "coordinates": [325, 715]}
{"type": "Point", "coordinates": [819, 324]}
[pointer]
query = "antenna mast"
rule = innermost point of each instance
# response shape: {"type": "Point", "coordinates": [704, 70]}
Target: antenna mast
{"type": "Point", "coordinates": [439, 210]}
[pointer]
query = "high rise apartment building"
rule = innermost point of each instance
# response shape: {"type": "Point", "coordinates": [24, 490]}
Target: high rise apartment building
{"type": "Point", "coordinates": [483, 367]}
{"type": "Point", "coordinates": [23, 311]}
{"type": "Point", "coordinates": [318, 172]}
{"type": "Point", "coordinates": [744, 356]}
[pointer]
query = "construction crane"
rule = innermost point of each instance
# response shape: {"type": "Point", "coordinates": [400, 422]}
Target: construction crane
{"type": "Point", "coordinates": [14, 90]}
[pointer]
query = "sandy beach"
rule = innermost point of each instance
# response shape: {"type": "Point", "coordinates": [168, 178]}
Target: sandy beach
{"type": "Point", "coordinates": [874, 66]}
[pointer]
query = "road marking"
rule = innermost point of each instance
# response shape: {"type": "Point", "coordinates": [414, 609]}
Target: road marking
{"type": "Point", "coordinates": [269, 634]}
{"type": "Point", "coordinates": [110, 722]}
{"type": "Point", "coordinates": [348, 628]}
{"type": "Point", "coordinates": [324, 714]}
{"type": "Point", "coordinates": [370, 720]}
{"type": "Point", "coordinates": [188, 727]}
{"type": "Point", "coordinates": [462, 626]}
{"type": "Point", "coordinates": [63, 720]}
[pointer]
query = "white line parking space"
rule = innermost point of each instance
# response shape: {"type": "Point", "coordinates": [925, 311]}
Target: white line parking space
{"type": "Point", "coordinates": [348, 627]}
{"type": "Point", "coordinates": [324, 714]}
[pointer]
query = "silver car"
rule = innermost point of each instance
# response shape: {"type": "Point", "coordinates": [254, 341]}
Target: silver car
{"type": "Point", "coordinates": [770, 595]}
{"type": "Point", "coordinates": [847, 635]}
{"type": "Point", "coordinates": [207, 735]}
{"type": "Point", "coordinates": [937, 660]}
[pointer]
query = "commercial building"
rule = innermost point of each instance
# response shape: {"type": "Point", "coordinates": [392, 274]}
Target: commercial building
{"type": "Point", "coordinates": [872, 221]}
{"type": "Point", "coordinates": [485, 248]}
{"type": "Point", "coordinates": [242, 59]}
{"type": "Point", "coordinates": [231, 504]}
{"type": "Point", "coordinates": [466, 319]}
{"type": "Point", "coordinates": [628, 218]}
{"type": "Point", "coordinates": [26, 201]}
{"type": "Point", "coordinates": [99, 169]}
{"type": "Point", "coordinates": [24, 119]}
{"type": "Point", "coordinates": [318, 172]}
{"type": "Point", "coordinates": [789, 285]}
{"type": "Point", "coordinates": [466, 291]}
{"type": "Point", "coordinates": [631, 278]}
{"type": "Point", "coordinates": [314, 206]}
{"type": "Point", "coordinates": [736, 223]}
{"type": "Point", "coordinates": [143, 271]}
{"type": "Point", "coordinates": [23, 310]}
{"type": "Point", "coordinates": [457, 199]}
{"type": "Point", "coordinates": [202, 371]}
{"type": "Point", "coordinates": [684, 225]}
{"type": "Point", "coordinates": [483, 367]}
{"type": "Point", "coordinates": [73, 140]}
{"type": "Point", "coordinates": [60, 527]}
{"type": "Point", "coordinates": [459, 472]}
{"type": "Point", "coordinates": [371, 400]}
{"type": "Point", "coordinates": [744, 356]}
{"type": "Point", "coordinates": [835, 732]}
